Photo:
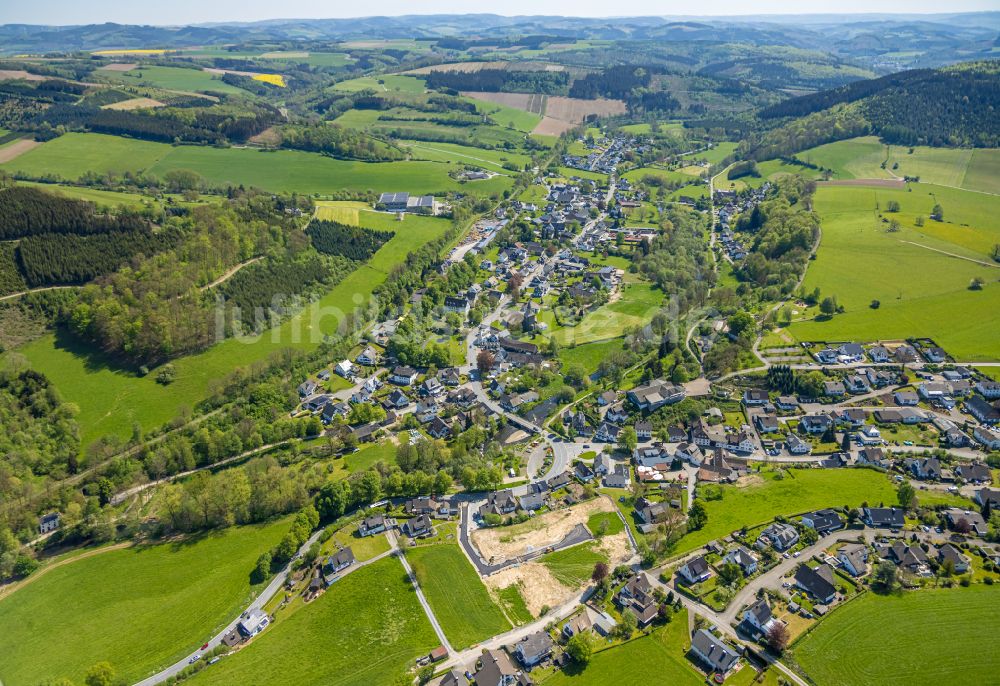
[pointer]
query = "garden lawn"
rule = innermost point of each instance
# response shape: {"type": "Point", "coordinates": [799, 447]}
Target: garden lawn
{"type": "Point", "coordinates": [573, 566]}
{"type": "Point", "coordinates": [365, 629]}
{"type": "Point", "coordinates": [611, 522]}
{"type": "Point", "coordinates": [801, 490]}
{"type": "Point", "coordinates": [111, 399]}
{"type": "Point", "coordinates": [368, 456]}
{"type": "Point", "coordinates": [658, 658]}
{"type": "Point", "coordinates": [139, 608]}
{"type": "Point", "coordinates": [919, 630]}
{"type": "Point", "coordinates": [921, 292]}
{"type": "Point", "coordinates": [459, 599]}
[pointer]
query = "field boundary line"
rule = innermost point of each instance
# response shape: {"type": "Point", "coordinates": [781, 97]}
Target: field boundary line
{"type": "Point", "coordinates": [951, 254]}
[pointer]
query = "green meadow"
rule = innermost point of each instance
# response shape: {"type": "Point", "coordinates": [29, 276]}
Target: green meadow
{"type": "Point", "coordinates": [111, 399]}
{"type": "Point", "coordinates": [921, 290]}
{"type": "Point", "coordinates": [572, 567]}
{"type": "Point", "coordinates": [387, 82]}
{"type": "Point", "coordinates": [456, 594]}
{"type": "Point", "coordinates": [463, 155]}
{"type": "Point", "coordinates": [637, 175]}
{"type": "Point", "coordinates": [658, 658]}
{"type": "Point", "coordinates": [139, 608]}
{"type": "Point", "coordinates": [173, 78]}
{"type": "Point", "coordinates": [588, 355]}
{"type": "Point", "coordinates": [636, 306]}
{"type": "Point", "coordinates": [921, 632]}
{"type": "Point", "coordinates": [511, 117]}
{"type": "Point", "coordinates": [800, 490]}
{"type": "Point", "coordinates": [862, 158]}
{"type": "Point", "coordinates": [367, 628]}
{"type": "Point", "coordinates": [72, 155]}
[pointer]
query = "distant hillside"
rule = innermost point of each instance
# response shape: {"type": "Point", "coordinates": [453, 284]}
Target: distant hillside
{"type": "Point", "coordinates": [953, 106]}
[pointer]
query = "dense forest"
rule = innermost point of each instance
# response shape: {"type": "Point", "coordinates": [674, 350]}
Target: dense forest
{"type": "Point", "coordinates": [501, 80]}
{"type": "Point", "coordinates": [52, 258]}
{"type": "Point", "coordinates": [338, 141]}
{"type": "Point", "coordinates": [838, 123]}
{"type": "Point", "coordinates": [352, 242]}
{"type": "Point", "coordinates": [784, 229]}
{"type": "Point", "coordinates": [614, 82]}
{"type": "Point", "coordinates": [274, 287]}
{"type": "Point", "coordinates": [147, 313]}
{"type": "Point", "coordinates": [951, 106]}
{"type": "Point", "coordinates": [28, 211]}
{"type": "Point", "coordinates": [206, 125]}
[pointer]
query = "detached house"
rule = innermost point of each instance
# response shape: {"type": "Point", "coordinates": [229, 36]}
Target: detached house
{"type": "Point", "coordinates": [532, 650]}
{"type": "Point", "coordinates": [637, 597]}
{"type": "Point", "coordinates": [779, 536]}
{"type": "Point", "coordinates": [655, 395]}
{"type": "Point", "coordinates": [818, 582]}
{"type": "Point", "coordinates": [823, 521]}
{"type": "Point", "coordinates": [854, 558]}
{"type": "Point", "coordinates": [743, 558]}
{"type": "Point", "coordinates": [883, 517]}
{"type": "Point", "coordinates": [715, 654]}
{"type": "Point", "coordinates": [403, 376]}
{"type": "Point", "coordinates": [695, 571]}
{"type": "Point", "coordinates": [759, 616]}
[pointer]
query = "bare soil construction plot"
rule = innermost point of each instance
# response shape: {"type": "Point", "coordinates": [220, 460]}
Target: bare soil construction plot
{"type": "Point", "coordinates": [134, 104]}
{"type": "Point", "coordinates": [503, 543]}
{"type": "Point", "coordinates": [16, 149]}
{"type": "Point", "coordinates": [538, 586]}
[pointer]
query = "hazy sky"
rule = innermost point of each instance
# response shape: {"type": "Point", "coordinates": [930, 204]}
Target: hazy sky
{"type": "Point", "coordinates": [195, 11]}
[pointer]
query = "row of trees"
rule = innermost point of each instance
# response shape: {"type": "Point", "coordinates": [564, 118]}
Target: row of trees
{"type": "Point", "coordinates": [501, 80]}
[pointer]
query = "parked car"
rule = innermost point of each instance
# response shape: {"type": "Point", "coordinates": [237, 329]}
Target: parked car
{"type": "Point", "coordinates": [194, 658]}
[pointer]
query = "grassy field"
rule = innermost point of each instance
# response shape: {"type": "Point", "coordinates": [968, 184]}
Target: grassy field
{"type": "Point", "coordinates": [366, 629]}
{"type": "Point", "coordinates": [719, 152]}
{"type": "Point", "coordinates": [637, 175]}
{"type": "Point", "coordinates": [493, 160]}
{"type": "Point", "coordinates": [859, 260]}
{"type": "Point", "coordinates": [513, 604]}
{"type": "Point", "coordinates": [658, 658]}
{"type": "Point", "coordinates": [173, 78]}
{"type": "Point", "coordinates": [73, 154]}
{"type": "Point", "coordinates": [459, 599]}
{"type": "Point", "coordinates": [111, 399]}
{"type": "Point", "coordinates": [800, 490]}
{"type": "Point", "coordinates": [511, 117]}
{"type": "Point", "coordinates": [588, 355]}
{"type": "Point", "coordinates": [916, 630]}
{"type": "Point", "coordinates": [141, 609]}
{"type": "Point", "coordinates": [636, 306]}
{"type": "Point", "coordinates": [862, 158]}
{"type": "Point", "coordinates": [368, 456]}
{"type": "Point", "coordinates": [386, 82]}
{"type": "Point", "coordinates": [573, 566]}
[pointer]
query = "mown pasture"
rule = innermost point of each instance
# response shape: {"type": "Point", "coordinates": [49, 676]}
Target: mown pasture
{"type": "Point", "coordinates": [138, 608]}
{"type": "Point", "coordinates": [800, 490]}
{"type": "Point", "coordinates": [917, 629]}
{"type": "Point", "coordinates": [173, 78]}
{"type": "Point", "coordinates": [921, 290]}
{"type": "Point", "coordinates": [456, 594]}
{"type": "Point", "coordinates": [72, 155]}
{"type": "Point", "coordinates": [572, 567]}
{"type": "Point", "coordinates": [367, 628]}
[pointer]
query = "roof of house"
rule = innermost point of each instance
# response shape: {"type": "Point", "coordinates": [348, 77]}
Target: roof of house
{"type": "Point", "coordinates": [761, 611]}
{"type": "Point", "coordinates": [817, 582]}
{"type": "Point", "coordinates": [719, 655]}
{"type": "Point", "coordinates": [535, 644]}
{"type": "Point", "coordinates": [496, 666]}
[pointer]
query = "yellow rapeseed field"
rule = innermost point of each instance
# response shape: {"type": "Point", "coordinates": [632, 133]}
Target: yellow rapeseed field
{"type": "Point", "coordinates": [132, 51]}
{"type": "Point", "coordinates": [273, 79]}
